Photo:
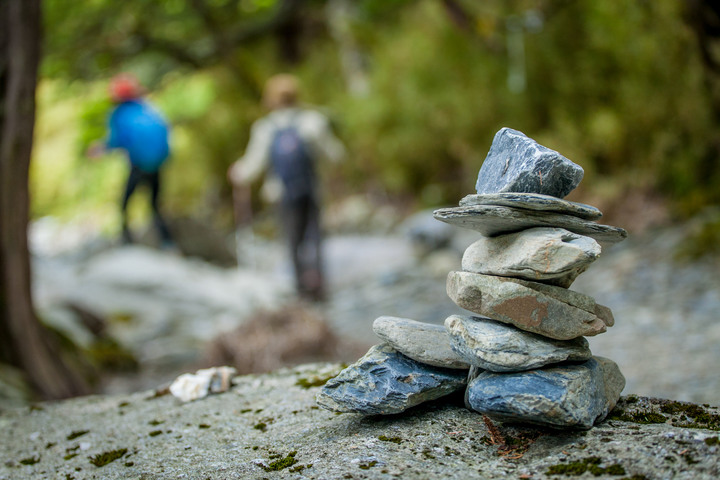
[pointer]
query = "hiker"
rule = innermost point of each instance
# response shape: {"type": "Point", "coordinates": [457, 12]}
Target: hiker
{"type": "Point", "coordinates": [138, 129]}
{"type": "Point", "coordinates": [289, 140]}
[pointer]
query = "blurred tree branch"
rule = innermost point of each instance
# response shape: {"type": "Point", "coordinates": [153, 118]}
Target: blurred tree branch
{"type": "Point", "coordinates": [704, 18]}
{"type": "Point", "coordinates": [201, 34]}
{"type": "Point", "coordinates": [460, 16]}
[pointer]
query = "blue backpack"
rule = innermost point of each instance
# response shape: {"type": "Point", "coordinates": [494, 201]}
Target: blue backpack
{"type": "Point", "coordinates": [292, 162]}
{"type": "Point", "coordinates": [140, 130]}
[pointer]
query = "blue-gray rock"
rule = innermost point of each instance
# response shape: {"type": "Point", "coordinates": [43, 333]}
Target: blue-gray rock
{"type": "Point", "coordinates": [426, 343]}
{"type": "Point", "coordinates": [517, 163]}
{"type": "Point", "coordinates": [385, 381]}
{"type": "Point", "coordinates": [547, 255]}
{"type": "Point", "coordinates": [534, 201]}
{"type": "Point", "coordinates": [425, 234]}
{"type": "Point", "coordinates": [498, 347]}
{"type": "Point", "coordinates": [547, 310]}
{"type": "Point", "coordinates": [492, 220]}
{"type": "Point", "coordinates": [560, 396]}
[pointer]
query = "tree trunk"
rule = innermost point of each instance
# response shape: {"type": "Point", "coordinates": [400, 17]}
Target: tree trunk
{"type": "Point", "coordinates": [24, 342]}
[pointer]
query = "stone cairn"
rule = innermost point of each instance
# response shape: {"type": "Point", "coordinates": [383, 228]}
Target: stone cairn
{"type": "Point", "coordinates": [525, 359]}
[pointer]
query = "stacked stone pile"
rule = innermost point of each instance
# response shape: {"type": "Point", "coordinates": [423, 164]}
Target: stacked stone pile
{"type": "Point", "coordinates": [525, 357]}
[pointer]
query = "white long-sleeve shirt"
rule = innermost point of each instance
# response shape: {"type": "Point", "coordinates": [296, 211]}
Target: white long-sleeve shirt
{"type": "Point", "coordinates": [312, 127]}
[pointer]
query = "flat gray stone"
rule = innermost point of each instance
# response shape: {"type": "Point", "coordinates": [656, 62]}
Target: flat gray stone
{"type": "Point", "coordinates": [534, 201]}
{"type": "Point", "coordinates": [423, 342]}
{"type": "Point", "coordinates": [517, 163]}
{"type": "Point", "coordinates": [549, 311]}
{"type": "Point", "coordinates": [560, 396]}
{"type": "Point", "coordinates": [547, 255]}
{"type": "Point", "coordinates": [385, 381]}
{"type": "Point", "coordinates": [492, 220]}
{"type": "Point", "coordinates": [499, 347]}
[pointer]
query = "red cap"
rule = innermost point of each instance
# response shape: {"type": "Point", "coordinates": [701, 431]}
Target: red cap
{"type": "Point", "coordinates": [124, 87]}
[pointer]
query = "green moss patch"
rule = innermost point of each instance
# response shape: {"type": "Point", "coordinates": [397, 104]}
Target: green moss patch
{"type": "Point", "coordinates": [590, 464]}
{"type": "Point", "coordinates": [109, 354]}
{"type": "Point", "coordinates": [300, 468]}
{"type": "Point", "coordinates": [681, 414]}
{"type": "Point", "coordinates": [314, 381]}
{"type": "Point", "coordinates": [76, 434]}
{"type": "Point", "coordinates": [383, 438]}
{"type": "Point", "coordinates": [102, 459]}
{"type": "Point", "coordinates": [368, 465]}
{"type": "Point", "coordinates": [641, 416]}
{"type": "Point", "coordinates": [281, 463]}
{"type": "Point", "coordinates": [30, 460]}
{"type": "Point", "coordinates": [692, 415]}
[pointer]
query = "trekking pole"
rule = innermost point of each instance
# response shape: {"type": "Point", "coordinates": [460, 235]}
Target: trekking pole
{"type": "Point", "coordinates": [242, 210]}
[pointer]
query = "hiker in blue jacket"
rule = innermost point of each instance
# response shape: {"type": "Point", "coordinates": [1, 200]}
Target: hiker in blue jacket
{"type": "Point", "coordinates": [136, 127]}
{"type": "Point", "coordinates": [289, 140]}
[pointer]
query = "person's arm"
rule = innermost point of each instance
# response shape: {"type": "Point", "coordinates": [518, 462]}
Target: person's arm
{"type": "Point", "coordinates": [99, 148]}
{"type": "Point", "coordinates": [96, 149]}
{"type": "Point", "coordinates": [253, 163]}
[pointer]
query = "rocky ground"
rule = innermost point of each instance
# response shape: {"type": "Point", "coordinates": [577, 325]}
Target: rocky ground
{"type": "Point", "coordinates": [269, 426]}
{"type": "Point", "coordinates": [164, 307]}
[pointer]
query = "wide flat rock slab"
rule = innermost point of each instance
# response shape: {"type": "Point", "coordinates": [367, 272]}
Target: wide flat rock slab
{"type": "Point", "coordinates": [426, 343]}
{"type": "Point", "coordinates": [265, 418]}
{"type": "Point", "coordinates": [385, 381]}
{"type": "Point", "coordinates": [548, 255]}
{"type": "Point", "coordinates": [558, 396]}
{"type": "Point", "coordinates": [517, 163]}
{"type": "Point", "coordinates": [498, 347]}
{"type": "Point", "coordinates": [534, 307]}
{"type": "Point", "coordinates": [492, 220]}
{"type": "Point", "coordinates": [533, 201]}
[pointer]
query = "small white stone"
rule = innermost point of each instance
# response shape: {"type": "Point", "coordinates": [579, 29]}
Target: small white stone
{"type": "Point", "coordinates": [188, 387]}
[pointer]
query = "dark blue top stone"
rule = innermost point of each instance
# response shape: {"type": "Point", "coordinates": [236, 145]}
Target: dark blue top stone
{"type": "Point", "coordinates": [517, 163]}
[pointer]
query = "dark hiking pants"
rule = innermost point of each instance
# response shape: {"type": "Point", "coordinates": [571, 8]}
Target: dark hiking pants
{"type": "Point", "coordinates": [301, 222]}
{"type": "Point", "coordinates": [136, 178]}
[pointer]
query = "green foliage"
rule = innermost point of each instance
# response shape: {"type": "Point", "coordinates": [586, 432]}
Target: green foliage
{"type": "Point", "coordinates": [602, 88]}
{"type": "Point", "coordinates": [703, 239]}
{"type": "Point", "coordinates": [109, 355]}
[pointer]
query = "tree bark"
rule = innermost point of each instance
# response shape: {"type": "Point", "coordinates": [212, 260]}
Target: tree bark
{"type": "Point", "coordinates": [24, 342]}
